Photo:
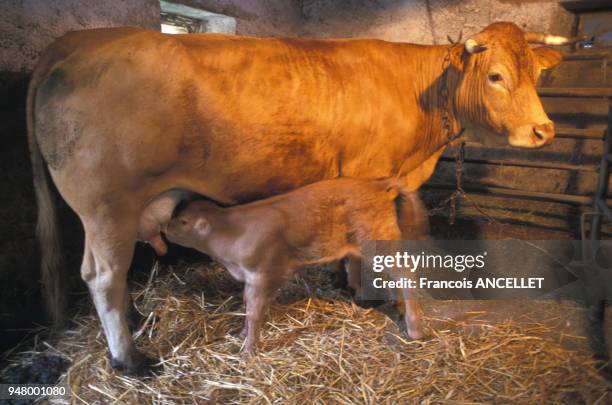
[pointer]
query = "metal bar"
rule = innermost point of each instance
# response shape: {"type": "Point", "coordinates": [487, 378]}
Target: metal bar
{"type": "Point", "coordinates": [584, 92]}
{"type": "Point", "coordinates": [580, 133]}
{"type": "Point", "coordinates": [572, 56]}
{"type": "Point", "coordinates": [526, 163]}
{"type": "Point", "coordinates": [604, 209]}
{"type": "Point", "coordinates": [521, 194]}
{"type": "Point", "coordinates": [602, 180]}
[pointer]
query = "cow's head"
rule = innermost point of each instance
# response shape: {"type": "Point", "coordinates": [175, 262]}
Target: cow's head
{"type": "Point", "coordinates": [496, 93]}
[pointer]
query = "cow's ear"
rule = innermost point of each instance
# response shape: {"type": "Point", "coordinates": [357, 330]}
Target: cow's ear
{"type": "Point", "coordinates": [457, 58]}
{"type": "Point", "coordinates": [547, 58]}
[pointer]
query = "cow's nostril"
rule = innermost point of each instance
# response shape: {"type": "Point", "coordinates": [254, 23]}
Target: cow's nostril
{"type": "Point", "coordinates": [544, 132]}
{"type": "Point", "coordinates": [538, 133]}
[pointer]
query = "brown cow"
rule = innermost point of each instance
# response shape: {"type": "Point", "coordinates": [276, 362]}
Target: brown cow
{"type": "Point", "coordinates": [266, 242]}
{"type": "Point", "coordinates": [122, 116]}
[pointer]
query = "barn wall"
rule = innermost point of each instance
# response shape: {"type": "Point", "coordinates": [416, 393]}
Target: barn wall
{"type": "Point", "coordinates": [423, 21]}
{"type": "Point", "coordinates": [27, 26]}
{"type": "Point", "coordinates": [427, 21]}
{"type": "Point", "coordinates": [256, 17]}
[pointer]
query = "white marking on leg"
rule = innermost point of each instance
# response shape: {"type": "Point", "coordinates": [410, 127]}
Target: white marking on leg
{"type": "Point", "coordinates": [108, 285]}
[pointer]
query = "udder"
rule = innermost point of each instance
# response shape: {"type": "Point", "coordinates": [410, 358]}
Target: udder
{"type": "Point", "coordinates": [156, 215]}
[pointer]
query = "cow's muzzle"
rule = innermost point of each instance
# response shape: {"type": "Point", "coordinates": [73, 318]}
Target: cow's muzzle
{"type": "Point", "coordinates": [532, 136]}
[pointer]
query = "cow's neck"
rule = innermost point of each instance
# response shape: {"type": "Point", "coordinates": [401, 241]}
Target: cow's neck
{"type": "Point", "coordinates": [434, 91]}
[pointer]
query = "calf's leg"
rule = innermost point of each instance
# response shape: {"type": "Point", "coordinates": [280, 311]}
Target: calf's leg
{"type": "Point", "coordinates": [412, 312]}
{"type": "Point", "coordinates": [339, 277]}
{"type": "Point", "coordinates": [412, 316]}
{"type": "Point", "coordinates": [258, 295]}
{"type": "Point", "coordinates": [353, 266]}
{"type": "Point", "coordinates": [256, 306]}
{"type": "Point", "coordinates": [245, 326]}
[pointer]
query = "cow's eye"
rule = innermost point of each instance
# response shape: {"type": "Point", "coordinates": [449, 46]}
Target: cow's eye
{"type": "Point", "coordinates": [495, 78]}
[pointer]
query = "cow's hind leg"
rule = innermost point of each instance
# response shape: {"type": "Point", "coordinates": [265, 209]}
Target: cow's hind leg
{"type": "Point", "coordinates": [392, 234]}
{"type": "Point", "coordinates": [109, 247]}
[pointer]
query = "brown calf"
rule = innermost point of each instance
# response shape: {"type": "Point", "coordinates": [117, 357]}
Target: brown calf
{"type": "Point", "coordinates": [264, 243]}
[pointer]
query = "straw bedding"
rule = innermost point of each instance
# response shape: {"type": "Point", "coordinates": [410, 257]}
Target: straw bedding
{"type": "Point", "coordinates": [318, 347]}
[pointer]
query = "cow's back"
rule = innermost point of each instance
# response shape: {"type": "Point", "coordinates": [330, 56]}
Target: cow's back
{"type": "Point", "coordinates": [199, 112]}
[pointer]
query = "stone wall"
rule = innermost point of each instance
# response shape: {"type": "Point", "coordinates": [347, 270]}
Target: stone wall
{"type": "Point", "coordinates": [28, 26]}
{"type": "Point", "coordinates": [427, 21]}
{"type": "Point", "coordinates": [422, 21]}
{"type": "Point", "coordinates": [257, 17]}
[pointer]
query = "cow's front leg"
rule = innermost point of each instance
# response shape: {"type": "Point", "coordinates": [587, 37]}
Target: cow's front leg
{"type": "Point", "coordinates": [109, 247]}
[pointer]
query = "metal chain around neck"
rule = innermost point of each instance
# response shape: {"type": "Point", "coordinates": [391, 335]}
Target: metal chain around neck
{"type": "Point", "coordinates": [444, 98]}
{"type": "Point", "coordinates": [450, 136]}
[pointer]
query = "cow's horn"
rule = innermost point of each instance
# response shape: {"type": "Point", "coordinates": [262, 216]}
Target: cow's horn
{"type": "Point", "coordinates": [473, 47]}
{"type": "Point", "coordinates": [538, 38]}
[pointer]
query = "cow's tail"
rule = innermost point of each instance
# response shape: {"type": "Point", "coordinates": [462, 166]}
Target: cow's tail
{"type": "Point", "coordinates": [412, 216]}
{"type": "Point", "coordinates": [47, 226]}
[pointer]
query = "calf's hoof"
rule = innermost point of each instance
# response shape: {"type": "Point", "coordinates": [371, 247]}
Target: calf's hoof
{"type": "Point", "coordinates": [139, 365]}
{"type": "Point", "coordinates": [366, 304]}
{"type": "Point", "coordinates": [414, 330]}
{"type": "Point", "coordinates": [241, 334]}
{"type": "Point", "coordinates": [248, 350]}
{"type": "Point", "coordinates": [339, 280]}
{"type": "Point", "coordinates": [415, 333]}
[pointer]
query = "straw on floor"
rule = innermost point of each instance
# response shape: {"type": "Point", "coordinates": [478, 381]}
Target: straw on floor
{"type": "Point", "coordinates": [318, 347]}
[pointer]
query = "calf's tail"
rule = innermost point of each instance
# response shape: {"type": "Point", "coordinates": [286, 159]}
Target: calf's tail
{"type": "Point", "coordinates": [47, 226]}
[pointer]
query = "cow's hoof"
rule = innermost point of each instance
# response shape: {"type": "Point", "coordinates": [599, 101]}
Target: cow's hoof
{"type": "Point", "coordinates": [139, 366]}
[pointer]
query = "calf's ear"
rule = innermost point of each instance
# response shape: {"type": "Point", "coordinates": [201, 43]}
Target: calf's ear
{"type": "Point", "coordinates": [201, 226]}
{"type": "Point", "coordinates": [547, 58]}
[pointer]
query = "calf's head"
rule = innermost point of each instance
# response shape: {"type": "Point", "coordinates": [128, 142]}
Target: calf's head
{"type": "Point", "coordinates": [496, 85]}
{"type": "Point", "coordinates": [191, 226]}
